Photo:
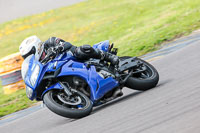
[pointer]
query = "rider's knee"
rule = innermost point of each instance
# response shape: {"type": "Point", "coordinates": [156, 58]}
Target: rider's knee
{"type": "Point", "coordinates": [84, 52]}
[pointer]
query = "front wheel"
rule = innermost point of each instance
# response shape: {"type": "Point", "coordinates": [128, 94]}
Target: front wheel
{"type": "Point", "coordinates": [145, 80]}
{"type": "Point", "coordinates": [76, 106]}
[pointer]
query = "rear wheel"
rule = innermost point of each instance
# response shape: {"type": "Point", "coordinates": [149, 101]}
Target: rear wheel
{"type": "Point", "coordinates": [144, 80]}
{"type": "Point", "coordinates": [76, 106]}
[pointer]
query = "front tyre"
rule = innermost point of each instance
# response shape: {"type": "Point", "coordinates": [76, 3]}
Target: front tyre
{"type": "Point", "coordinates": [145, 80]}
{"type": "Point", "coordinates": [74, 107]}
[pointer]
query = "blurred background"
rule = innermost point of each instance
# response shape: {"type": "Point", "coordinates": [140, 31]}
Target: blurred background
{"type": "Point", "coordinates": [135, 26]}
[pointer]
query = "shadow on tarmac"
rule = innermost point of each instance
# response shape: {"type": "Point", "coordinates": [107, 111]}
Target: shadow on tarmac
{"type": "Point", "coordinates": [122, 99]}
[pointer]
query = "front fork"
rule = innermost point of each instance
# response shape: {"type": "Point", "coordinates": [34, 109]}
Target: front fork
{"type": "Point", "coordinates": [67, 89]}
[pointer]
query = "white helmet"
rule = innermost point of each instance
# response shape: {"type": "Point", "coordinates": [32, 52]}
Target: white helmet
{"type": "Point", "coordinates": [31, 45]}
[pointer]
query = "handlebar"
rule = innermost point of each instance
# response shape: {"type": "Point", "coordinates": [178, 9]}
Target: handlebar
{"type": "Point", "coordinates": [51, 53]}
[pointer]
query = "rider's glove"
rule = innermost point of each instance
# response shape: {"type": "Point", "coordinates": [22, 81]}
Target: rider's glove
{"type": "Point", "coordinates": [52, 52]}
{"type": "Point", "coordinates": [59, 48]}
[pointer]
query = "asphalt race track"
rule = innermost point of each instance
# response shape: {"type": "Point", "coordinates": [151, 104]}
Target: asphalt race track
{"type": "Point", "coordinates": [171, 107]}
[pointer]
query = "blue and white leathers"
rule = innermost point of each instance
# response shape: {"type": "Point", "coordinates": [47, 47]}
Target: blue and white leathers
{"type": "Point", "coordinates": [67, 65]}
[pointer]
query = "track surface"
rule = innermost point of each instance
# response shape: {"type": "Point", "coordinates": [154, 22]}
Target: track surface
{"type": "Point", "coordinates": [171, 107]}
{"type": "Point", "coordinates": [12, 9]}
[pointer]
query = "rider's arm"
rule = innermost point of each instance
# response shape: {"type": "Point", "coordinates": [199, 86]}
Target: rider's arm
{"type": "Point", "coordinates": [57, 42]}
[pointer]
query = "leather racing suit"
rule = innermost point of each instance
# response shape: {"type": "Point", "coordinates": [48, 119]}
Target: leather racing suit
{"type": "Point", "coordinates": [84, 52]}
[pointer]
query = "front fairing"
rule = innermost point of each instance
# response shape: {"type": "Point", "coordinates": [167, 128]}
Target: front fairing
{"type": "Point", "coordinates": [59, 61]}
{"type": "Point", "coordinates": [43, 68]}
{"type": "Point", "coordinates": [27, 79]}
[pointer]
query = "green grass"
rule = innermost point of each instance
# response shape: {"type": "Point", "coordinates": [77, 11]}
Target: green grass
{"type": "Point", "coordinates": [135, 26]}
{"type": "Point", "coordinates": [13, 102]}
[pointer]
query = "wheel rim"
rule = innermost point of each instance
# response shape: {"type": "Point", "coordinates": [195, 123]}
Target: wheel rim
{"type": "Point", "coordinates": [76, 102]}
{"type": "Point", "coordinates": [148, 73]}
{"type": "Point", "coordinates": [69, 100]}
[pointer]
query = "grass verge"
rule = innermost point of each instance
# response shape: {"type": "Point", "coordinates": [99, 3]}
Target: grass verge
{"type": "Point", "coordinates": [13, 102]}
{"type": "Point", "coordinates": [135, 26]}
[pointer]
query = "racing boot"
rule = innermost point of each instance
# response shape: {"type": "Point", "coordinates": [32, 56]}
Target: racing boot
{"type": "Point", "coordinates": [113, 59]}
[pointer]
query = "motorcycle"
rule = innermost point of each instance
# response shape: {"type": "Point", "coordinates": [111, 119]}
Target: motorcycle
{"type": "Point", "coordinates": [71, 88]}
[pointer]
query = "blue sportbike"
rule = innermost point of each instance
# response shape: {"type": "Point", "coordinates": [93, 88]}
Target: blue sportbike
{"type": "Point", "coordinates": [71, 88]}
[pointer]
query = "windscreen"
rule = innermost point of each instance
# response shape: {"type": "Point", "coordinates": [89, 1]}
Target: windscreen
{"type": "Point", "coordinates": [25, 66]}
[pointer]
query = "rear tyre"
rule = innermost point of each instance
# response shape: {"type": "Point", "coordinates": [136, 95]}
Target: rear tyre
{"type": "Point", "coordinates": [56, 101]}
{"type": "Point", "coordinates": [145, 80]}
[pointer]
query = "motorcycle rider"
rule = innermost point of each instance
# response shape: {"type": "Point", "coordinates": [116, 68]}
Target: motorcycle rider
{"type": "Point", "coordinates": [33, 45]}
